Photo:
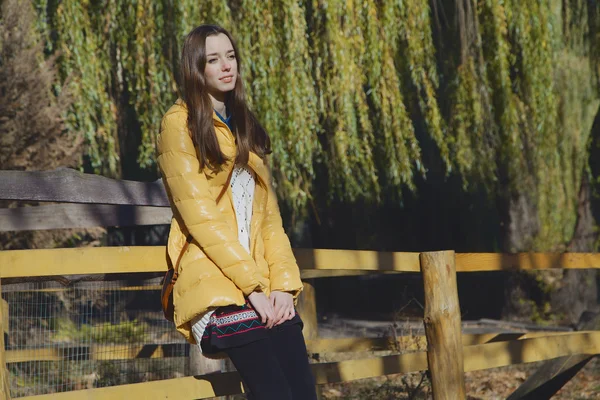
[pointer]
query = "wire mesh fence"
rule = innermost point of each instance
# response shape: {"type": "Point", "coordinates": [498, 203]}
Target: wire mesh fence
{"type": "Point", "coordinates": [69, 335]}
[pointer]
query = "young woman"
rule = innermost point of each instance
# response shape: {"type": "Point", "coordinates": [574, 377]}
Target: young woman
{"type": "Point", "coordinates": [238, 279]}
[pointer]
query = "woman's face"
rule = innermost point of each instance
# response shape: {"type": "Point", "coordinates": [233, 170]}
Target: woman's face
{"type": "Point", "coordinates": [220, 72]}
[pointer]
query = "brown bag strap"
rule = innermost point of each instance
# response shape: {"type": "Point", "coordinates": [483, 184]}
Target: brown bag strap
{"type": "Point", "coordinates": [189, 237]}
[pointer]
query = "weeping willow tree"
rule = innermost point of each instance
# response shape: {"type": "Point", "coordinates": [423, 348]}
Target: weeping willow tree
{"type": "Point", "coordinates": [502, 93]}
{"type": "Point", "coordinates": [521, 102]}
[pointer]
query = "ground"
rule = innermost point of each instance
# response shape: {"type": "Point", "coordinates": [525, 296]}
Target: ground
{"type": "Point", "coordinates": [492, 384]}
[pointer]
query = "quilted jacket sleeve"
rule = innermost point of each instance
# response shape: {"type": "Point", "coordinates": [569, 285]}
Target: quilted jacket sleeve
{"type": "Point", "coordinates": [191, 199]}
{"type": "Point", "coordinates": [284, 271]}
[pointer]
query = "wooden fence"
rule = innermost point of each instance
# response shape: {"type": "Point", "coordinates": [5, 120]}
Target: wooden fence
{"type": "Point", "coordinates": [448, 352]}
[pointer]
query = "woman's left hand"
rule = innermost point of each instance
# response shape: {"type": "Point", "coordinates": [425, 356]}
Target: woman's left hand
{"type": "Point", "coordinates": [283, 304]}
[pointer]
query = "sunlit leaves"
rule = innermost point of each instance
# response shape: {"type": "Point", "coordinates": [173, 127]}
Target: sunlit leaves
{"type": "Point", "coordinates": [85, 66]}
{"type": "Point", "coordinates": [344, 111]}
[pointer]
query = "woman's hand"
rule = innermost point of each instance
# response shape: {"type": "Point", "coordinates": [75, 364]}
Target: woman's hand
{"type": "Point", "coordinates": [283, 305]}
{"type": "Point", "coordinates": [263, 307]}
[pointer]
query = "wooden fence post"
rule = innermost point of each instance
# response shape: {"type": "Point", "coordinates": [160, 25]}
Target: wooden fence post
{"type": "Point", "coordinates": [307, 308]}
{"type": "Point", "coordinates": [200, 365]}
{"type": "Point", "coordinates": [4, 376]}
{"type": "Point", "coordinates": [443, 326]}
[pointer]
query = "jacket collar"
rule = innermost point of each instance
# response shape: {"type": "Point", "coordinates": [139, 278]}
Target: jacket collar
{"type": "Point", "coordinates": [254, 161]}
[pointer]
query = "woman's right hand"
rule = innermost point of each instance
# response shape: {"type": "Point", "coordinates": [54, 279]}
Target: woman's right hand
{"type": "Point", "coordinates": [263, 307]}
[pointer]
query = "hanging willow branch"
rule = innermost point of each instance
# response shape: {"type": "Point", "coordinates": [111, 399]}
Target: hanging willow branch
{"type": "Point", "coordinates": [418, 54]}
{"type": "Point", "coordinates": [508, 110]}
{"type": "Point", "coordinates": [397, 150]}
{"type": "Point", "coordinates": [532, 34]}
{"type": "Point", "coordinates": [344, 112]}
{"type": "Point", "coordinates": [84, 60]}
{"type": "Point", "coordinates": [140, 35]}
{"type": "Point", "coordinates": [296, 145]}
{"type": "Point", "coordinates": [473, 134]}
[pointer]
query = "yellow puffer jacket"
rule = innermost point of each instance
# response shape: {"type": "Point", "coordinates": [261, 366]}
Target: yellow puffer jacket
{"type": "Point", "coordinates": [216, 270]}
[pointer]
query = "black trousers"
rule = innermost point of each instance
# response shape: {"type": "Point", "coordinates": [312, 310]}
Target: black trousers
{"type": "Point", "coordinates": [275, 368]}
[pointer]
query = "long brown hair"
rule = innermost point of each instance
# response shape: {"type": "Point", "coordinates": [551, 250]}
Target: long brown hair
{"type": "Point", "coordinates": [249, 134]}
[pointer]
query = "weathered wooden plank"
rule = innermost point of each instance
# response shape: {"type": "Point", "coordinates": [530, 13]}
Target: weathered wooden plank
{"type": "Point", "coordinates": [128, 352]}
{"type": "Point", "coordinates": [201, 387]}
{"type": "Point", "coordinates": [65, 185]}
{"type": "Point", "coordinates": [411, 343]}
{"type": "Point", "coordinates": [475, 339]}
{"type": "Point", "coordinates": [82, 260]}
{"type": "Point", "coordinates": [330, 273]}
{"type": "Point", "coordinates": [223, 384]}
{"type": "Point", "coordinates": [63, 216]}
{"type": "Point", "coordinates": [364, 260]}
{"type": "Point", "coordinates": [478, 357]}
{"type": "Point", "coordinates": [501, 354]}
{"type": "Point", "coordinates": [348, 345]}
{"type": "Point", "coordinates": [443, 326]}
{"type": "Point", "coordinates": [334, 345]}
{"type": "Point", "coordinates": [98, 352]}
{"type": "Point", "coordinates": [550, 378]}
{"type": "Point", "coordinates": [472, 262]}
{"type": "Point", "coordinates": [404, 343]}
{"type": "Point", "coordinates": [348, 260]}
{"type": "Point", "coordinates": [100, 260]}
{"type": "Point", "coordinates": [499, 324]}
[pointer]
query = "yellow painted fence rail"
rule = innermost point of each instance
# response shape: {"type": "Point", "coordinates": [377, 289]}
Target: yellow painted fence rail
{"type": "Point", "coordinates": [313, 263]}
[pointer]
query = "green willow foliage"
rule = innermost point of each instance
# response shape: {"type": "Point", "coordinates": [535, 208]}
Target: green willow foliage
{"type": "Point", "coordinates": [397, 148]}
{"type": "Point", "coordinates": [534, 44]}
{"type": "Point", "coordinates": [473, 137]}
{"type": "Point", "coordinates": [418, 54]}
{"type": "Point", "coordinates": [339, 54]}
{"type": "Point", "coordinates": [272, 35]}
{"type": "Point", "coordinates": [139, 33]}
{"type": "Point", "coordinates": [506, 108]}
{"type": "Point", "coordinates": [506, 94]}
{"type": "Point", "coordinates": [85, 64]}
